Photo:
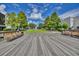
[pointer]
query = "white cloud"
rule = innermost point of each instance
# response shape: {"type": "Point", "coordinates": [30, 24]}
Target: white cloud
{"type": "Point", "coordinates": [2, 9]}
{"type": "Point", "coordinates": [58, 8]}
{"type": "Point", "coordinates": [46, 9]}
{"type": "Point", "coordinates": [71, 13]}
{"type": "Point", "coordinates": [27, 11]}
{"type": "Point", "coordinates": [61, 3]}
{"type": "Point", "coordinates": [42, 11]}
{"type": "Point", "coordinates": [46, 5]}
{"type": "Point", "coordinates": [35, 10]}
{"type": "Point", "coordinates": [31, 5]}
{"type": "Point", "coordinates": [16, 5]}
{"type": "Point", "coordinates": [35, 14]}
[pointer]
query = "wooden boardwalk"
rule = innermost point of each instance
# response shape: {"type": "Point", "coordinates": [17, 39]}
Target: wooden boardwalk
{"type": "Point", "coordinates": [41, 44]}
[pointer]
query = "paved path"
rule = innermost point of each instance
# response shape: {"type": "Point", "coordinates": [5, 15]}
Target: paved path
{"type": "Point", "coordinates": [41, 44]}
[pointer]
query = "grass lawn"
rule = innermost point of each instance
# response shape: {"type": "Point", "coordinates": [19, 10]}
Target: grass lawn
{"type": "Point", "coordinates": [36, 31]}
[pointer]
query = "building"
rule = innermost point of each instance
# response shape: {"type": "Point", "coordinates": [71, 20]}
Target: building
{"type": "Point", "coordinates": [73, 22]}
{"type": "Point", "coordinates": [2, 21]}
{"type": "Point", "coordinates": [71, 17]}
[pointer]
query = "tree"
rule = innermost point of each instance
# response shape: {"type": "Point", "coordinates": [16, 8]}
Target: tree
{"type": "Point", "coordinates": [16, 21]}
{"type": "Point", "coordinates": [55, 18]}
{"type": "Point", "coordinates": [46, 23]}
{"type": "Point", "coordinates": [65, 26]}
{"type": "Point", "coordinates": [52, 22]}
{"type": "Point", "coordinates": [40, 26]}
{"type": "Point", "coordinates": [46, 20]}
{"type": "Point", "coordinates": [11, 20]}
{"type": "Point", "coordinates": [32, 25]}
{"type": "Point", "coordinates": [62, 26]}
{"type": "Point", "coordinates": [22, 19]}
{"type": "Point", "coordinates": [50, 25]}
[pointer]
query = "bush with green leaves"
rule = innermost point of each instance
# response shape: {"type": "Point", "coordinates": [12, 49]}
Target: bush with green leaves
{"type": "Point", "coordinates": [65, 26]}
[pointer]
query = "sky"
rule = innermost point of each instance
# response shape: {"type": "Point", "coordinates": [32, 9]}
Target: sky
{"type": "Point", "coordinates": [37, 12]}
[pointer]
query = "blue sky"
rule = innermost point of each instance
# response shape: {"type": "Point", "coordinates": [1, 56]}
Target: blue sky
{"type": "Point", "coordinates": [40, 10]}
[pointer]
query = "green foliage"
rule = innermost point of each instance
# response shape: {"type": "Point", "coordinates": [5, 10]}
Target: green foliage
{"type": "Point", "coordinates": [22, 19]}
{"type": "Point", "coordinates": [55, 17]}
{"type": "Point", "coordinates": [16, 21]}
{"type": "Point", "coordinates": [11, 19]}
{"type": "Point", "coordinates": [31, 25]}
{"type": "Point", "coordinates": [41, 26]}
{"type": "Point", "coordinates": [36, 31]}
{"type": "Point", "coordinates": [65, 26]}
{"type": "Point", "coordinates": [53, 22]}
{"type": "Point", "coordinates": [7, 29]}
{"type": "Point", "coordinates": [62, 26]}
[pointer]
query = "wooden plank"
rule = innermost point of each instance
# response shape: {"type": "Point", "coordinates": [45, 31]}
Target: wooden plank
{"type": "Point", "coordinates": [41, 44]}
